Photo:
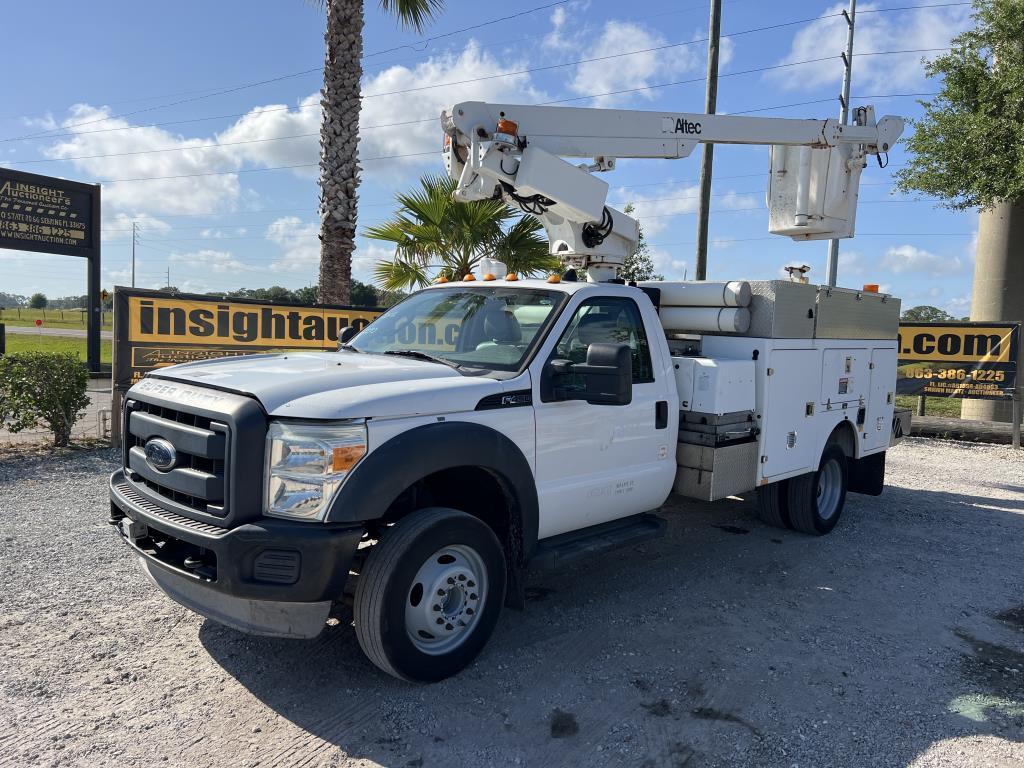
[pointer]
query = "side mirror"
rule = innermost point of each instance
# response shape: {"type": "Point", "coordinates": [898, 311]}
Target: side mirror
{"type": "Point", "coordinates": [605, 379]}
{"type": "Point", "coordinates": [346, 335]}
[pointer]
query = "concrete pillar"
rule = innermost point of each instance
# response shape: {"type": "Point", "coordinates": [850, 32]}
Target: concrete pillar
{"type": "Point", "coordinates": [998, 286]}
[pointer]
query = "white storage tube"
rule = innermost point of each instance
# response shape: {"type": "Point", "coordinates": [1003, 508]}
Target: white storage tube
{"type": "Point", "coordinates": [705, 319]}
{"type": "Point", "coordinates": [700, 293]}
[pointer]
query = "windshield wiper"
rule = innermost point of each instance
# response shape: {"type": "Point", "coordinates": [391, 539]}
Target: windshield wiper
{"type": "Point", "coordinates": [348, 348]}
{"type": "Point", "coordinates": [415, 354]}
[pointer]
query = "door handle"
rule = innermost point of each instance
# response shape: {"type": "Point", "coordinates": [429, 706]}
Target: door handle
{"type": "Point", "coordinates": [661, 414]}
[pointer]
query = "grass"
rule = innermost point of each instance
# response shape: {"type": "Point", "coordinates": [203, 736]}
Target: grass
{"type": "Point", "coordinates": [933, 406]}
{"type": "Point", "coordinates": [25, 342]}
{"type": "Point", "coordinates": [52, 318]}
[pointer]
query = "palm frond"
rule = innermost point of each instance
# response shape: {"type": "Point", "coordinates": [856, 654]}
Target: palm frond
{"type": "Point", "coordinates": [413, 14]}
{"type": "Point", "coordinates": [400, 275]}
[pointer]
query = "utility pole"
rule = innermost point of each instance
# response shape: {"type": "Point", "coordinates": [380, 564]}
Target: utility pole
{"type": "Point", "coordinates": [832, 265]}
{"type": "Point", "coordinates": [168, 277]}
{"type": "Point", "coordinates": [708, 158]}
{"type": "Point", "coordinates": [135, 241]}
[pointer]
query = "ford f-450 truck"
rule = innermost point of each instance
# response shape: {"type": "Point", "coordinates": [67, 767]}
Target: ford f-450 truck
{"type": "Point", "coordinates": [489, 424]}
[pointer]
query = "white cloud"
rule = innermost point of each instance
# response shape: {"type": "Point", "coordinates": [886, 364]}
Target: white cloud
{"type": "Point", "coordinates": [119, 226]}
{"type": "Point", "coordinates": [628, 72]}
{"type": "Point", "coordinates": [909, 258]}
{"type": "Point", "coordinates": [850, 263]}
{"type": "Point", "coordinates": [267, 129]}
{"type": "Point", "coordinates": [726, 51]}
{"type": "Point", "coordinates": [425, 104]}
{"type": "Point", "coordinates": [897, 31]}
{"type": "Point", "coordinates": [656, 213]}
{"type": "Point", "coordinates": [400, 114]}
{"type": "Point", "coordinates": [959, 306]}
{"type": "Point", "coordinates": [208, 260]}
{"type": "Point", "coordinates": [667, 264]}
{"type": "Point", "coordinates": [300, 242]}
{"type": "Point", "coordinates": [194, 194]}
{"type": "Point", "coordinates": [259, 137]}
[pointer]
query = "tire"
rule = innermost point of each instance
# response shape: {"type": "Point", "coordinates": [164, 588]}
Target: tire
{"type": "Point", "coordinates": [435, 564]}
{"type": "Point", "coordinates": [772, 506]}
{"type": "Point", "coordinates": [816, 499]}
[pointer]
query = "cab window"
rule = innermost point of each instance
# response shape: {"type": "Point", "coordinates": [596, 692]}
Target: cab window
{"type": "Point", "coordinates": [610, 320]}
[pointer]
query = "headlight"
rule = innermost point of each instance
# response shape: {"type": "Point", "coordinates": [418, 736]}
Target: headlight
{"type": "Point", "coordinates": [306, 464]}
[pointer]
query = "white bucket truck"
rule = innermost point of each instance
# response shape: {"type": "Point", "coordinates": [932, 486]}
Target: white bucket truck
{"type": "Point", "coordinates": [488, 425]}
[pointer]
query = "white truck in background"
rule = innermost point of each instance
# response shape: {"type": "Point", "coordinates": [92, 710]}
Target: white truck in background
{"type": "Point", "coordinates": [488, 425]}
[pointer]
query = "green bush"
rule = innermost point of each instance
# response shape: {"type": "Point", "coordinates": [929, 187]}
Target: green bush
{"type": "Point", "coordinates": [42, 389]}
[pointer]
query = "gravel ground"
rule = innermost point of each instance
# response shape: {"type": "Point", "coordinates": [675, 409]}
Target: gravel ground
{"type": "Point", "coordinates": [897, 640]}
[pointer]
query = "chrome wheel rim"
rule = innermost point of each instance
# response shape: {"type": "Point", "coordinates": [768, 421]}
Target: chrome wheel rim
{"type": "Point", "coordinates": [830, 485]}
{"type": "Point", "coordinates": [445, 600]}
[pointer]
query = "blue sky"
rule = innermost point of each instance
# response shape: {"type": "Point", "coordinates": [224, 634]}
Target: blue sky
{"type": "Point", "coordinates": [145, 82]}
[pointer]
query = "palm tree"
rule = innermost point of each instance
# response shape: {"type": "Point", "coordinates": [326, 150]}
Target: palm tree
{"type": "Point", "coordinates": [339, 133]}
{"type": "Point", "coordinates": [433, 234]}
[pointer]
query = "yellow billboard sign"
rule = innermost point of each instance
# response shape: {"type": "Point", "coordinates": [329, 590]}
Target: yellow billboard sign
{"type": "Point", "coordinates": [177, 320]}
{"type": "Point", "coordinates": [975, 343]}
{"type": "Point", "coordinates": [153, 329]}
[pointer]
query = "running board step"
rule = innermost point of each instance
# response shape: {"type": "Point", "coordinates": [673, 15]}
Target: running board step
{"type": "Point", "coordinates": [559, 550]}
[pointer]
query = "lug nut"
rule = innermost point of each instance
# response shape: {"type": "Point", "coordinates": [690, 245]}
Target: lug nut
{"type": "Point", "coordinates": [449, 627]}
{"type": "Point", "coordinates": [470, 611]}
{"type": "Point", "coordinates": [473, 596]}
{"type": "Point", "coordinates": [440, 621]}
{"type": "Point", "coordinates": [437, 607]}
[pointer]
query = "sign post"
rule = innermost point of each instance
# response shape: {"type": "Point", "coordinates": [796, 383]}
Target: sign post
{"type": "Point", "coordinates": [45, 214]}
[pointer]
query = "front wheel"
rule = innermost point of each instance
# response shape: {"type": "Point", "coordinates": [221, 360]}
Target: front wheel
{"type": "Point", "coordinates": [429, 595]}
{"type": "Point", "coordinates": [815, 500]}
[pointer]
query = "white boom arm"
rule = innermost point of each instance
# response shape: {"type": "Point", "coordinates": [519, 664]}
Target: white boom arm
{"type": "Point", "coordinates": [514, 152]}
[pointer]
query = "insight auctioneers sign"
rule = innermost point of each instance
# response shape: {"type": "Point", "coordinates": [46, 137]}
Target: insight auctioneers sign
{"type": "Point", "coordinates": [968, 360]}
{"type": "Point", "coordinates": [48, 215]}
{"type": "Point", "coordinates": [153, 329]}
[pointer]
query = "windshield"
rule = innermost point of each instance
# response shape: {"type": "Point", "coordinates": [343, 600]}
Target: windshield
{"type": "Point", "coordinates": [494, 328]}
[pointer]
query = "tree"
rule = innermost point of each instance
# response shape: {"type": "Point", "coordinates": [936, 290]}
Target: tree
{"type": "Point", "coordinates": [926, 314]}
{"type": "Point", "coordinates": [37, 301]}
{"type": "Point", "coordinates": [966, 150]}
{"type": "Point", "coordinates": [11, 300]}
{"type": "Point", "coordinates": [434, 234]}
{"type": "Point", "coordinates": [638, 265]}
{"type": "Point", "coordinates": [339, 133]}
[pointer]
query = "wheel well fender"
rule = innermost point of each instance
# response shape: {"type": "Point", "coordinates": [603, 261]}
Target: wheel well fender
{"type": "Point", "coordinates": [450, 449]}
{"type": "Point", "coordinates": [845, 436]}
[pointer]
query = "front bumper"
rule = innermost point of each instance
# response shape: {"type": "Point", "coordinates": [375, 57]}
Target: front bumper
{"type": "Point", "coordinates": [270, 577]}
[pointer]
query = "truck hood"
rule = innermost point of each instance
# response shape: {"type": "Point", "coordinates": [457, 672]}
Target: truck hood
{"type": "Point", "coordinates": [340, 385]}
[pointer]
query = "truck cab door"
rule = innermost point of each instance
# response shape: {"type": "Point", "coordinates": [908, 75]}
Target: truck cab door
{"type": "Point", "coordinates": [599, 462]}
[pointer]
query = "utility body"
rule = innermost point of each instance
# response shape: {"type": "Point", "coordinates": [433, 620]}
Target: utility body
{"type": "Point", "coordinates": [486, 426]}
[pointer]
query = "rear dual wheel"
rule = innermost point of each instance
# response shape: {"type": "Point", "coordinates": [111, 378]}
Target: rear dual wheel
{"type": "Point", "coordinates": [810, 503]}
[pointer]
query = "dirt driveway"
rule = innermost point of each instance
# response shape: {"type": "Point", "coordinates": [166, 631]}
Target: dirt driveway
{"type": "Point", "coordinates": [897, 640]}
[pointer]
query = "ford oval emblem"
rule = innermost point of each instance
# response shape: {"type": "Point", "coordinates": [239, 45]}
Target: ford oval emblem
{"type": "Point", "coordinates": [160, 454]}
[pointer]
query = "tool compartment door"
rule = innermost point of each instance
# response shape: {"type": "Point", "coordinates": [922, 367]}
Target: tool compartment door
{"type": "Point", "coordinates": [881, 400]}
{"type": "Point", "coordinates": [844, 375]}
{"type": "Point", "coordinates": [788, 439]}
